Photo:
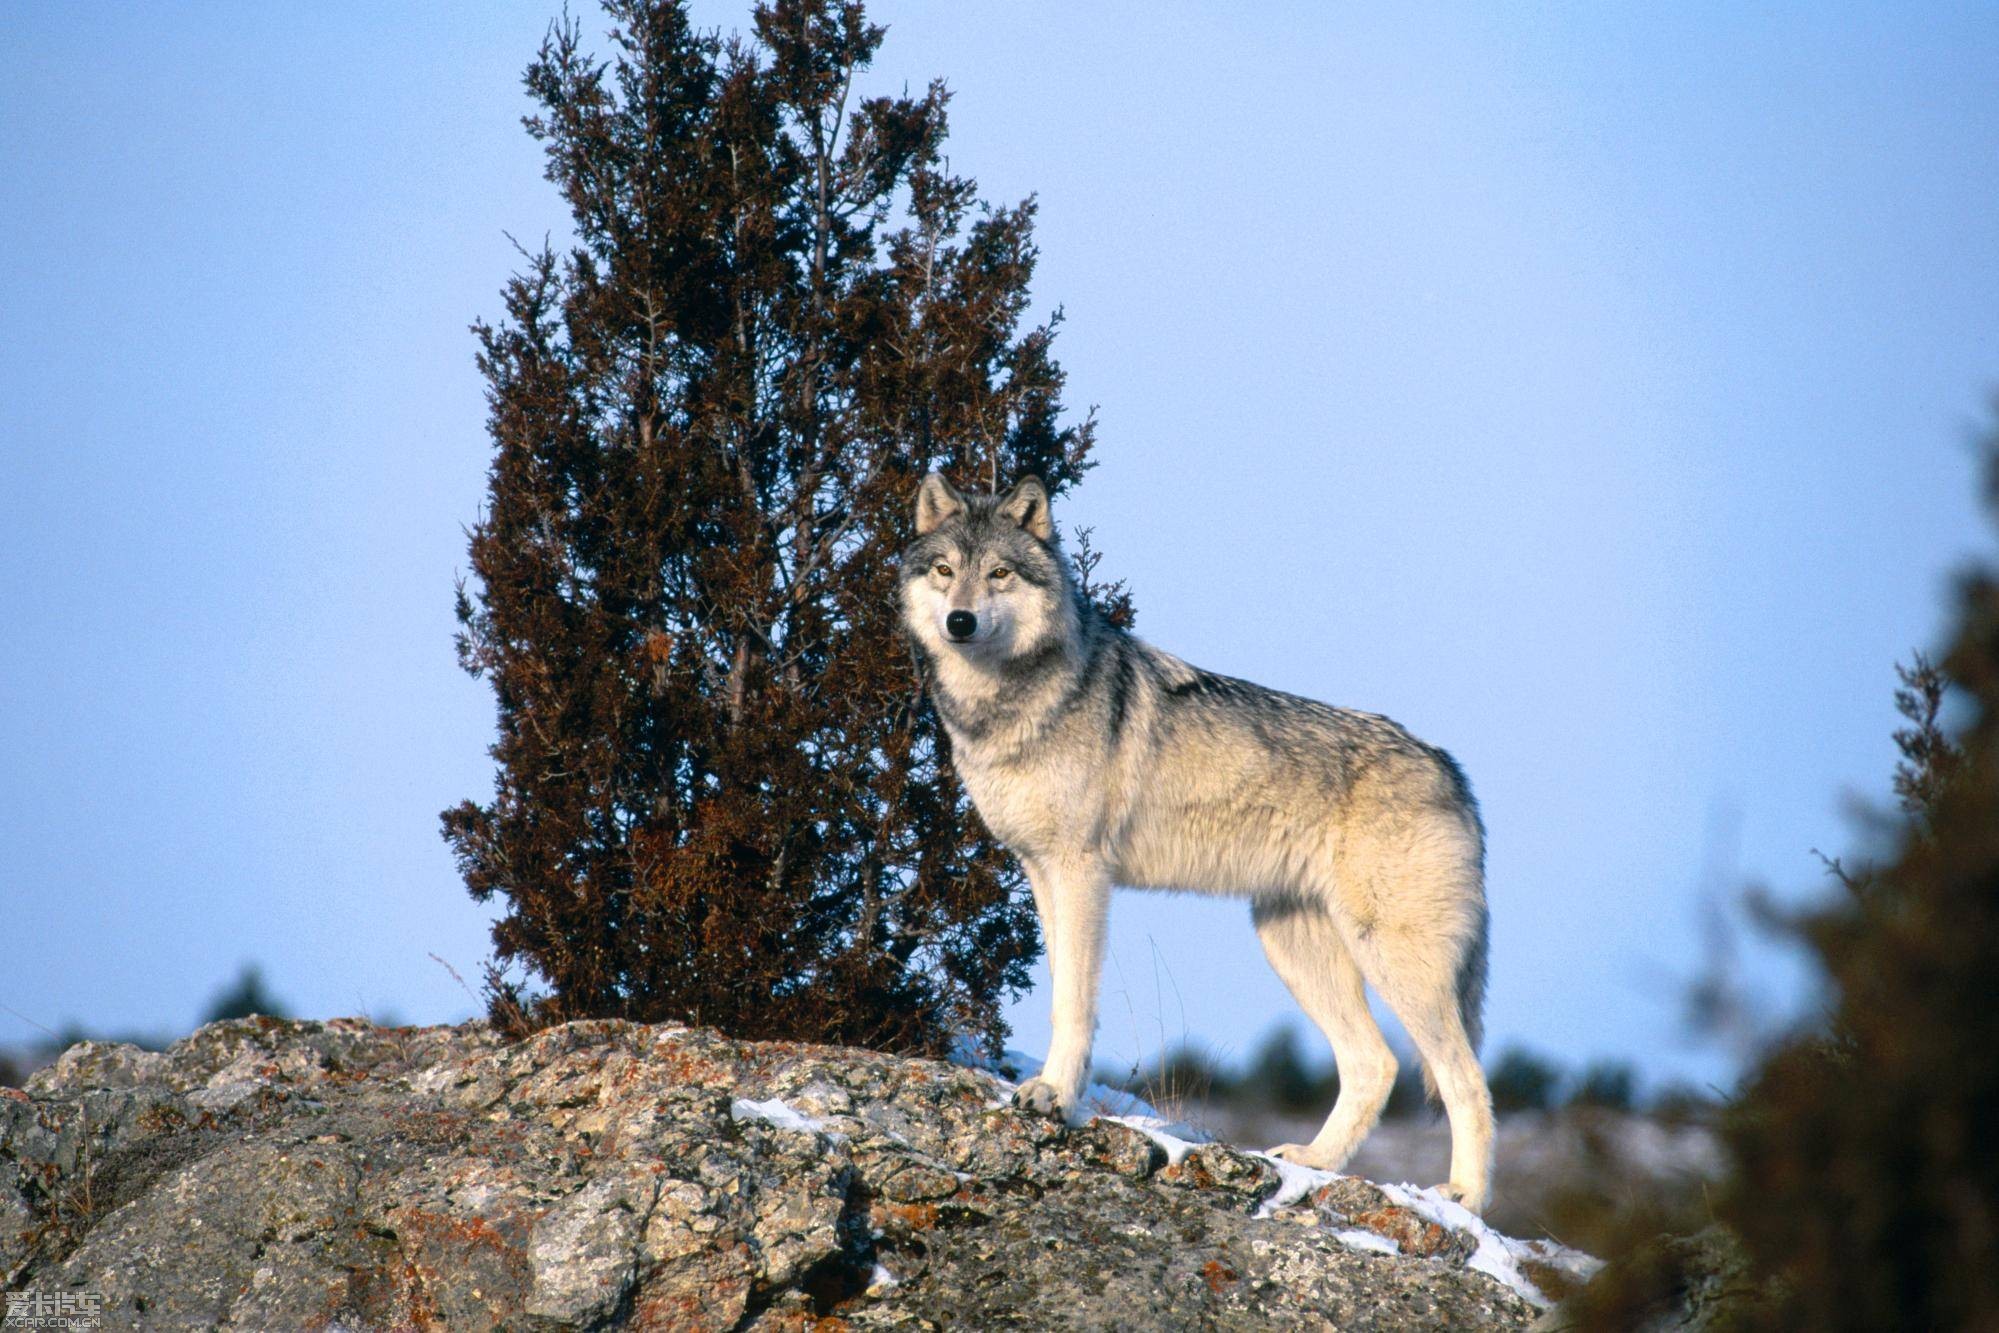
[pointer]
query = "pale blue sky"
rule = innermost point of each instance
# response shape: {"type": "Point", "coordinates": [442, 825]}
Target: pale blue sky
{"type": "Point", "coordinates": [1588, 387]}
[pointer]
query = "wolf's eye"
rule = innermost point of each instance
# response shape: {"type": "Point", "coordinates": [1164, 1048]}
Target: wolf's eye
{"type": "Point", "coordinates": [1000, 574]}
{"type": "Point", "coordinates": [942, 571]}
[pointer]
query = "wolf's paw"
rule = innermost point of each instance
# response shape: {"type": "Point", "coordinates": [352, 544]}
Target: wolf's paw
{"type": "Point", "coordinates": [1472, 1200]}
{"type": "Point", "coordinates": [1301, 1154]}
{"type": "Point", "coordinates": [1041, 1097]}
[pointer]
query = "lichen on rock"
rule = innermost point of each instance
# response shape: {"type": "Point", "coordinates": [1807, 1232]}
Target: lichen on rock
{"type": "Point", "coordinates": [266, 1174]}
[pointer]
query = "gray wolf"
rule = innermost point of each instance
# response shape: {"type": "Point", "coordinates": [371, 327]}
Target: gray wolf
{"type": "Point", "coordinates": [1097, 759]}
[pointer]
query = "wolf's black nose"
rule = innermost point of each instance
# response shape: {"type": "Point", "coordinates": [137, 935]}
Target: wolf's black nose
{"type": "Point", "coordinates": [961, 624]}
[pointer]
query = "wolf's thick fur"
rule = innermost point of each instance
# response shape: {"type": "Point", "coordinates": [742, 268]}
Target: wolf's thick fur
{"type": "Point", "coordinates": [1098, 760]}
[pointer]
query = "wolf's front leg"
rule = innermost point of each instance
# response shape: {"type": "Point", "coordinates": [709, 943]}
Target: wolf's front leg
{"type": "Point", "coordinates": [1077, 896]}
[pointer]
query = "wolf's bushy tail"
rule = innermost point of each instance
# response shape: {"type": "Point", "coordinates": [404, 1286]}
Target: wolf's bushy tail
{"type": "Point", "coordinates": [1471, 992]}
{"type": "Point", "coordinates": [1471, 981]}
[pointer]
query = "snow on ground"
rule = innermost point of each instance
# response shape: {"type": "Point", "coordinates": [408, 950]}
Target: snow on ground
{"type": "Point", "coordinates": [1543, 1157]}
{"type": "Point", "coordinates": [777, 1112]}
{"type": "Point", "coordinates": [1356, 1239]}
{"type": "Point", "coordinates": [1177, 1140]}
{"type": "Point", "coordinates": [1498, 1257]}
{"type": "Point", "coordinates": [1294, 1183]}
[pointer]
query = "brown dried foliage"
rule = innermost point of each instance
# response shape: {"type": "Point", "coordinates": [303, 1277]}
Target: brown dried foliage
{"type": "Point", "coordinates": [720, 795]}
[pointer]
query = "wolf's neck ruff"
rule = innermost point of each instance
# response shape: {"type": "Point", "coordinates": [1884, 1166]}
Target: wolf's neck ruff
{"type": "Point", "coordinates": [1037, 686]}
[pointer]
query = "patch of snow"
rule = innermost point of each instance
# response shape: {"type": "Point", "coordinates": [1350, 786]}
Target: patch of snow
{"type": "Point", "coordinates": [1011, 1067]}
{"type": "Point", "coordinates": [1582, 1267]}
{"type": "Point", "coordinates": [1008, 1071]}
{"type": "Point", "coordinates": [777, 1112]}
{"type": "Point", "coordinates": [967, 1053]}
{"type": "Point", "coordinates": [1294, 1182]}
{"type": "Point", "coordinates": [1015, 1067]}
{"type": "Point", "coordinates": [1178, 1140]}
{"type": "Point", "coordinates": [1497, 1256]}
{"type": "Point", "coordinates": [881, 1279]}
{"type": "Point", "coordinates": [1356, 1239]}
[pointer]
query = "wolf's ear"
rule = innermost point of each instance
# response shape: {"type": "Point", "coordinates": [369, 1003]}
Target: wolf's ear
{"type": "Point", "coordinates": [1027, 505]}
{"type": "Point", "coordinates": [936, 502]}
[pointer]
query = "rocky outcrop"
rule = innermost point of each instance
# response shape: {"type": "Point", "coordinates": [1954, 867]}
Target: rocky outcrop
{"type": "Point", "coordinates": [276, 1175]}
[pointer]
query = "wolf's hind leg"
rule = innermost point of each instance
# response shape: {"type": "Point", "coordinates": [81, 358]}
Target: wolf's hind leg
{"type": "Point", "coordinates": [1305, 948]}
{"type": "Point", "coordinates": [1416, 972]}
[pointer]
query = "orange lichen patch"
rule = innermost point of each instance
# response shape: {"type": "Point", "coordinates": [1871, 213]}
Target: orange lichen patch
{"type": "Point", "coordinates": [799, 1321]}
{"type": "Point", "coordinates": [912, 1216]}
{"type": "Point", "coordinates": [434, 1253]}
{"type": "Point", "coordinates": [395, 1295]}
{"type": "Point", "coordinates": [159, 1118]}
{"type": "Point", "coordinates": [679, 1065]}
{"type": "Point", "coordinates": [443, 1236]}
{"type": "Point", "coordinates": [710, 1291]}
{"type": "Point", "coordinates": [628, 1072]}
{"type": "Point", "coordinates": [762, 1058]}
{"type": "Point", "coordinates": [971, 1197]}
{"type": "Point", "coordinates": [918, 1182]}
{"type": "Point", "coordinates": [461, 1173]}
{"type": "Point", "coordinates": [1219, 1276]}
{"type": "Point", "coordinates": [1196, 1170]}
{"type": "Point", "coordinates": [428, 1126]}
{"type": "Point", "coordinates": [471, 1229]}
{"type": "Point", "coordinates": [1414, 1234]}
{"type": "Point", "coordinates": [1347, 1196]}
{"type": "Point", "coordinates": [1188, 1171]}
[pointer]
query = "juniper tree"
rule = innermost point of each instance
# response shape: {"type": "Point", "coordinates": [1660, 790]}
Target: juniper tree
{"type": "Point", "coordinates": [720, 796]}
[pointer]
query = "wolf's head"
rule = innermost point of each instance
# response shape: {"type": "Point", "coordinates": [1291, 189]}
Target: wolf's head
{"type": "Point", "coordinates": [984, 578]}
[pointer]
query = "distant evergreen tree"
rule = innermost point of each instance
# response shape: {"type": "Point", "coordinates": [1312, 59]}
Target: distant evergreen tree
{"type": "Point", "coordinates": [1279, 1071]}
{"type": "Point", "coordinates": [245, 996]}
{"type": "Point", "coordinates": [1611, 1084]}
{"type": "Point", "coordinates": [1522, 1081]}
{"type": "Point", "coordinates": [721, 797]}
